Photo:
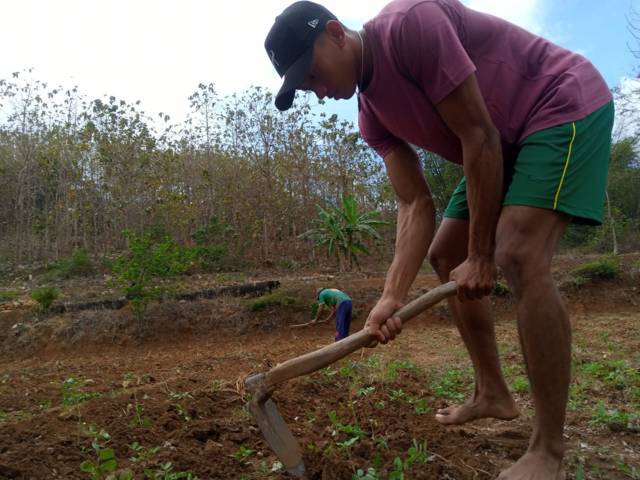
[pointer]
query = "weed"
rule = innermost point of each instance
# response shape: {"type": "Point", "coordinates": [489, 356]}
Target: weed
{"type": "Point", "coordinates": [629, 471]}
{"type": "Point", "coordinates": [370, 474]}
{"type": "Point", "coordinates": [182, 412]}
{"type": "Point", "coordinates": [602, 269]}
{"type": "Point", "coordinates": [616, 420]}
{"type": "Point", "coordinates": [352, 432]}
{"type": "Point", "coordinates": [501, 289]}
{"type": "Point", "coordinates": [520, 385]}
{"type": "Point", "coordinates": [273, 299]}
{"type": "Point", "coordinates": [364, 391]}
{"type": "Point", "coordinates": [243, 453]}
{"type": "Point", "coordinates": [72, 393]}
{"type": "Point", "coordinates": [420, 406]}
{"type": "Point", "coordinates": [45, 296]}
{"type": "Point", "coordinates": [165, 472]}
{"type": "Point", "coordinates": [180, 395]}
{"type": "Point", "coordinates": [77, 265]}
{"type": "Point", "coordinates": [139, 418]}
{"type": "Point", "coordinates": [8, 295]}
{"type": "Point", "coordinates": [217, 385]}
{"type": "Point", "coordinates": [396, 366]}
{"type": "Point", "coordinates": [141, 454]}
{"type": "Point", "coordinates": [416, 454]}
{"type": "Point", "coordinates": [105, 463]}
{"type": "Point", "coordinates": [399, 395]}
{"type": "Point", "coordinates": [449, 385]}
{"type": "Point", "coordinates": [615, 373]}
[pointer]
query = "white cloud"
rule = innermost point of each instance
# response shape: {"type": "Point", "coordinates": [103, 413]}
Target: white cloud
{"type": "Point", "coordinates": [157, 51]}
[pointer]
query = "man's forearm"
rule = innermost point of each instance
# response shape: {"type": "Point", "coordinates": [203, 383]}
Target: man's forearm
{"type": "Point", "coordinates": [415, 228]}
{"type": "Point", "coordinates": [483, 169]}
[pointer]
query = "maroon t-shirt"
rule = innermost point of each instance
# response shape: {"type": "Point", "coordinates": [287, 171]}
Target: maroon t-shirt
{"type": "Point", "coordinates": [423, 49]}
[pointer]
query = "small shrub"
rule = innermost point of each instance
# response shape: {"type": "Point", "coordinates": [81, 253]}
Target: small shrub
{"type": "Point", "coordinates": [72, 392]}
{"type": "Point", "coordinates": [501, 289]}
{"type": "Point", "coordinates": [602, 269]}
{"type": "Point", "coordinates": [45, 296]}
{"type": "Point", "coordinates": [8, 295]}
{"type": "Point", "coordinates": [77, 265]}
{"type": "Point", "coordinates": [272, 299]}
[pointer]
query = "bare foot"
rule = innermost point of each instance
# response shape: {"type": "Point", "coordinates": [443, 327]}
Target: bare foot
{"type": "Point", "coordinates": [535, 466]}
{"type": "Point", "coordinates": [503, 408]}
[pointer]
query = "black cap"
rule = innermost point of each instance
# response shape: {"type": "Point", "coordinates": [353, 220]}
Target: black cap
{"type": "Point", "coordinates": [289, 45]}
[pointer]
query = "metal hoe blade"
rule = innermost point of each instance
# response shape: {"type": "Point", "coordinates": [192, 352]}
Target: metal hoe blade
{"type": "Point", "coordinates": [276, 432]}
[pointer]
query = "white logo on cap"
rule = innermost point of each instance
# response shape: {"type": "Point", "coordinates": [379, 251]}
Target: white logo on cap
{"type": "Point", "coordinates": [313, 23]}
{"type": "Point", "coordinates": [272, 57]}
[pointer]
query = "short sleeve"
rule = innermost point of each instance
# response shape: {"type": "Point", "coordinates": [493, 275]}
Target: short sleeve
{"type": "Point", "coordinates": [322, 298]}
{"type": "Point", "coordinates": [429, 48]}
{"type": "Point", "coordinates": [374, 133]}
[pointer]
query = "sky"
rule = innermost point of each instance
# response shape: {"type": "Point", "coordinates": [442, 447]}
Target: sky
{"type": "Point", "coordinates": [158, 51]}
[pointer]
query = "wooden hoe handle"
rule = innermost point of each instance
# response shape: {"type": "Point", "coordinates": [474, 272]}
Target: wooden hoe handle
{"type": "Point", "coordinates": [322, 357]}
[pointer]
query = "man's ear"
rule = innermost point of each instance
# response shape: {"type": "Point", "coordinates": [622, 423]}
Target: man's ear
{"type": "Point", "coordinates": [335, 32]}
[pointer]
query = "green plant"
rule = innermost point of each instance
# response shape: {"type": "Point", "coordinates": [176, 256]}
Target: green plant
{"type": "Point", "coordinates": [616, 420]}
{"type": "Point", "coordinates": [353, 433]}
{"type": "Point", "coordinates": [614, 373]}
{"type": "Point", "coordinates": [45, 296]}
{"type": "Point", "coordinates": [210, 248]}
{"type": "Point", "coordinates": [420, 406]}
{"type": "Point", "coordinates": [141, 454]}
{"type": "Point", "coordinates": [520, 385]}
{"type": "Point", "coordinates": [399, 395]}
{"type": "Point", "coordinates": [8, 295]}
{"type": "Point", "coordinates": [151, 256]}
{"type": "Point", "coordinates": [165, 472]}
{"type": "Point", "coordinates": [277, 298]}
{"type": "Point", "coordinates": [182, 412]}
{"type": "Point", "coordinates": [501, 289]}
{"type": "Point", "coordinates": [629, 471]}
{"type": "Point", "coordinates": [449, 384]}
{"type": "Point", "coordinates": [370, 474]}
{"type": "Point", "coordinates": [105, 462]}
{"type": "Point", "coordinates": [77, 265]}
{"type": "Point", "coordinates": [72, 393]}
{"type": "Point", "coordinates": [139, 418]}
{"type": "Point", "coordinates": [243, 453]}
{"type": "Point", "coordinates": [416, 454]}
{"type": "Point", "coordinates": [343, 230]}
{"type": "Point", "coordinates": [396, 366]}
{"type": "Point", "coordinates": [601, 269]}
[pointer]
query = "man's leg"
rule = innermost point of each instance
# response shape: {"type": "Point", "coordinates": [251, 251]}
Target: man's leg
{"type": "Point", "coordinates": [526, 240]}
{"type": "Point", "coordinates": [491, 397]}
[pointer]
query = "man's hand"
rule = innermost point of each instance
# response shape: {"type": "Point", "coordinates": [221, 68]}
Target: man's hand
{"type": "Point", "coordinates": [476, 278]}
{"type": "Point", "coordinates": [381, 323]}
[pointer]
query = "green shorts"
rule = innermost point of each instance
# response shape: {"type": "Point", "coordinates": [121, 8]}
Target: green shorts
{"type": "Point", "coordinates": [561, 168]}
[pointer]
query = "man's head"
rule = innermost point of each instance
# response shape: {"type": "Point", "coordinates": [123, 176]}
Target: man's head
{"type": "Point", "coordinates": [313, 51]}
{"type": "Point", "coordinates": [318, 292]}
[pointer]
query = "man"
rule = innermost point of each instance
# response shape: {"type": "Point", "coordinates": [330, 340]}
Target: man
{"type": "Point", "coordinates": [341, 307]}
{"type": "Point", "coordinates": [531, 124]}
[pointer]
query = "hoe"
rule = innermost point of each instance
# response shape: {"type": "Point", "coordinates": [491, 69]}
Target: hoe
{"type": "Point", "coordinates": [262, 385]}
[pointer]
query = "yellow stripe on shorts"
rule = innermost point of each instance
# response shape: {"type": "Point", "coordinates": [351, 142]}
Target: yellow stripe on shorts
{"type": "Point", "coordinates": [566, 165]}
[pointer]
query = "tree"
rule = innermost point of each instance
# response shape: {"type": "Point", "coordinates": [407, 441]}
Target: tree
{"type": "Point", "coordinates": [344, 230]}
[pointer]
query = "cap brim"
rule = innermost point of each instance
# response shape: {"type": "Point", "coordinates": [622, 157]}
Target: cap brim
{"type": "Point", "coordinates": [293, 78]}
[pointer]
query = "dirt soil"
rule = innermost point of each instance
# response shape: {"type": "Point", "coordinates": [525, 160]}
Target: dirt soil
{"type": "Point", "coordinates": [179, 388]}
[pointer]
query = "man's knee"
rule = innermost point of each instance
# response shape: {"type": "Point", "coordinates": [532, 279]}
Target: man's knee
{"type": "Point", "coordinates": [441, 260]}
{"type": "Point", "coordinates": [520, 263]}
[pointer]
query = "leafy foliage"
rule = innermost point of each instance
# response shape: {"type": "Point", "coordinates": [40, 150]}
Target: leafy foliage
{"type": "Point", "coordinates": [343, 230]}
{"type": "Point", "coordinates": [152, 255]}
{"type": "Point", "coordinates": [45, 296]}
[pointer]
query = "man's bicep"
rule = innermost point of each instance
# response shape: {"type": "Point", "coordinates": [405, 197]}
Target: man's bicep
{"type": "Point", "coordinates": [406, 175]}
